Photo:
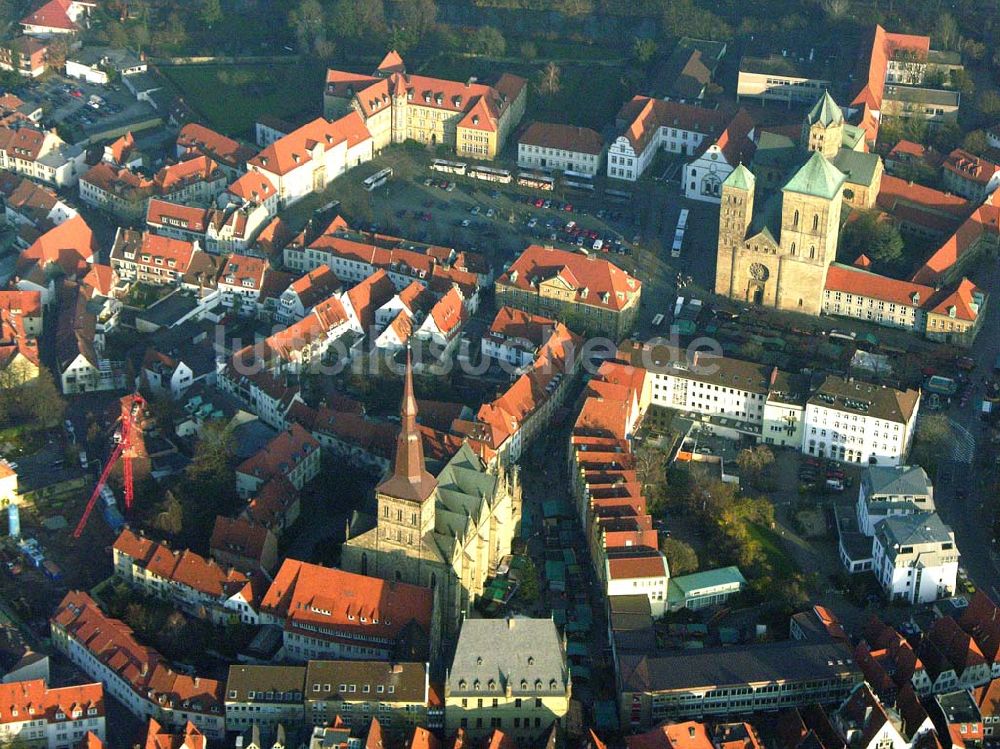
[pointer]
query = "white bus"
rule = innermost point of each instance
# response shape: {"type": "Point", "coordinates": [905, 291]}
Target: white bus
{"type": "Point", "coordinates": [449, 167]}
{"type": "Point", "coordinates": [675, 249]}
{"type": "Point", "coordinates": [488, 174]}
{"type": "Point", "coordinates": [378, 179]}
{"type": "Point", "coordinates": [682, 221]}
{"type": "Point", "coordinates": [535, 181]}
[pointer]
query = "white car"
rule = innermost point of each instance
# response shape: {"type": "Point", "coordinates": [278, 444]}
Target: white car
{"type": "Point", "coordinates": [598, 244]}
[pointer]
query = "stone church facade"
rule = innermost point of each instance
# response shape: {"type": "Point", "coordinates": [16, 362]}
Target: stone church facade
{"type": "Point", "coordinates": [447, 533]}
{"type": "Point", "coordinates": [775, 247]}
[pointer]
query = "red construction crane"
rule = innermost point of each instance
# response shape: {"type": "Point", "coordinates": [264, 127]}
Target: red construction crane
{"type": "Point", "coordinates": [132, 409]}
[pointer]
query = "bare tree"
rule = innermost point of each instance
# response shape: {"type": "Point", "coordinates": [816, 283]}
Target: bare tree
{"type": "Point", "coordinates": [548, 82]}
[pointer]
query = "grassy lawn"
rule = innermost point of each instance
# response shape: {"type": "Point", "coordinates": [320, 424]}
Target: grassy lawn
{"type": "Point", "coordinates": [778, 560]}
{"type": "Point", "coordinates": [230, 97]}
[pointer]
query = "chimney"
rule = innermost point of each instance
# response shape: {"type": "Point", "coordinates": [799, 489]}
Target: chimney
{"type": "Point", "coordinates": [691, 731]}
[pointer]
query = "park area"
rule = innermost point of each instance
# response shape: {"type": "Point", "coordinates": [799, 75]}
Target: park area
{"type": "Point", "coordinates": [231, 97]}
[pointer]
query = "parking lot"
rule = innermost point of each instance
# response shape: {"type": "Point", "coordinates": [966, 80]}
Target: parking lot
{"type": "Point", "coordinates": [82, 109]}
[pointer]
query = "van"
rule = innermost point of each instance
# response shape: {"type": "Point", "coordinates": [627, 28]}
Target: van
{"type": "Point", "coordinates": [83, 459]}
{"type": "Point", "coordinates": [835, 485]}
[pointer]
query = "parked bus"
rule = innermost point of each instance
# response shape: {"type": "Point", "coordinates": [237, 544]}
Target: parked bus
{"type": "Point", "coordinates": [618, 196]}
{"type": "Point", "coordinates": [682, 220]}
{"type": "Point", "coordinates": [578, 185]}
{"type": "Point", "coordinates": [449, 167]}
{"type": "Point", "coordinates": [378, 179]}
{"type": "Point", "coordinates": [675, 249]}
{"type": "Point", "coordinates": [535, 181]}
{"type": "Point", "coordinates": [488, 174]}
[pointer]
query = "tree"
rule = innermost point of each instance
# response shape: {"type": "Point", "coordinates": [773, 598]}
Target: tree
{"type": "Point", "coordinates": [932, 442]}
{"type": "Point", "coordinates": [213, 452]}
{"type": "Point", "coordinates": [417, 15]}
{"type": "Point", "coordinates": [210, 13]}
{"type": "Point", "coordinates": [548, 81]}
{"type": "Point", "coordinates": [755, 460]}
{"type": "Point", "coordinates": [308, 22]}
{"type": "Point", "coordinates": [684, 18]}
{"type": "Point", "coordinates": [527, 583]}
{"type": "Point", "coordinates": [356, 19]}
{"type": "Point", "coordinates": [170, 519]}
{"type": "Point", "coordinates": [681, 558]}
{"type": "Point", "coordinates": [870, 235]}
{"type": "Point", "coordinates": [528, 50]}
{"type": "Point", "coordinates": [487, 41]}
{"type": "Point", "coordinates": [650, 466]}
{"type": "Point", "coordinates": [643, 49]}
{"type": "Point", "coordinates": [752, 350]}
{"type": "Point", "coordinates": [946, 36]}
{"type": "Point", "coordinates": [975, 142]}
{"type": "Point", "coordinates": [835, 8]}
{"type": "Point", "coordinates": [962, 81]}
{"type": "Point", "coordinates": [988, 104]}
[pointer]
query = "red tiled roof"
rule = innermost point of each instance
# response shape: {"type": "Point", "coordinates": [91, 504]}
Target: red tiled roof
{"type": "Point", "coordinates": [316, 285]}
{"type": "Point", "coordinates": [851, 280]}
{"type": "Point", "coordinates": [53, 15]}
{"type": "Point", "coordinates": [14, 303]}
{"type": "Point", "coordinates": [643, 116]}
{"type": "Point", "coordinates": [970, 167]}
{"type": "Point", "coordinates": [366, 297]}
{"type": "Point", "coordinates": [314, 596]}
{"type": "Point", "coordinates": [688, 735]}
{"type": "Point", "coordinates": [176, 254]}
{"type": "Point", "coordinates": [119, 180]}
{"type": "Point", "coordinates": [960, 298]}
{"type": "Point", "coordinates": [985, 218]}
{"type": "Point", "coordinates": [252, 187]}
{"type": "Point", "coordinates": [281, 454]}
{"type": "Point", "coordinates": [512, 324]}
{"type": "Point", "coordinates": [197, 169]}
{"type": "Point", "coordinates": [391, 63]}
{"type": "Point", "coordinates": [295, 149]}
{"type": "Point", "coordinates": [628, 567]}
{"type": "Point", "coordinates": [197, 138]}
{"type": "Point", "coordinates": [180, 567]}
{"type": "Point", "coordinates": [189, 217]}
{"type": "Point", "coordinates": [158, 737]}
{"type": "Point", "coordinates": [20, 699]}
{"type": "Point", "coordinates": [70, 245]}
{"type": "Point", "coordinates": [142, 668]}
{"type": "Point", "coordinates": [121, 147]}
{"type": "Point", "coordinates": [244, 271]}
{"type": "Point", "coordinates": [565, 137]}
{"type": "Point", "coordinates": [449, 313]}
{"type": "Point", "coordinates": [606, 285]}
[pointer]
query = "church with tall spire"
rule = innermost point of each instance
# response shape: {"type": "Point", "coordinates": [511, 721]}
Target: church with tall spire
{"type": "Point", "coordinates": [447, 532]}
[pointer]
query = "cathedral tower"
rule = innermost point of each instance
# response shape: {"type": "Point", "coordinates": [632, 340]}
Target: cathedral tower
{"type": "Point", "coordinates": [823, 129]}
{"type": "Point", "coordinates": [735, 216]}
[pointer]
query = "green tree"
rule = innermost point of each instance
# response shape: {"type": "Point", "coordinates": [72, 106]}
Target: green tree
{"type": "Point", "coordinates": [487, 41]}
{"type": "Point", "coordinates": [945, 34]}
{"type": "Point", "coordinates": [962, 81]}
{"type": "Point", "coordinates": [752, 350]}
{"type": "Point", "coordinates": [870, 235]}
{"type": "Point", "coordinates": [932, 442]}
{"type": "Point", "coordinates": [988, 104]}
{"type": "Point", "coordinates": [650, 466]}
{"type": "Point", "coordinates": [528, 51]}
{"type": "Point", "coordinates": [417, 15]}
{"type": "Point", "coordinates": [681, 557]}
{"type": "Point", "coordinates": [975, 142]}
{"type": "Point", "coordinates": [643, 49]}
{"type": "Point", "coordinates": [308, 23]}
{"type": "Point", "coordinates": [210, 13]}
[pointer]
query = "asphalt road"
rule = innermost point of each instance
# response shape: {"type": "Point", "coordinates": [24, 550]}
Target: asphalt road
{"type": "Point", "coordinates": [961, 492]}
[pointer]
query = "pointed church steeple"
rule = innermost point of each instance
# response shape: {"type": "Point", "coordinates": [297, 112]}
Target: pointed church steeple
{"type": "Point", "coordinates": [410, 479]}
